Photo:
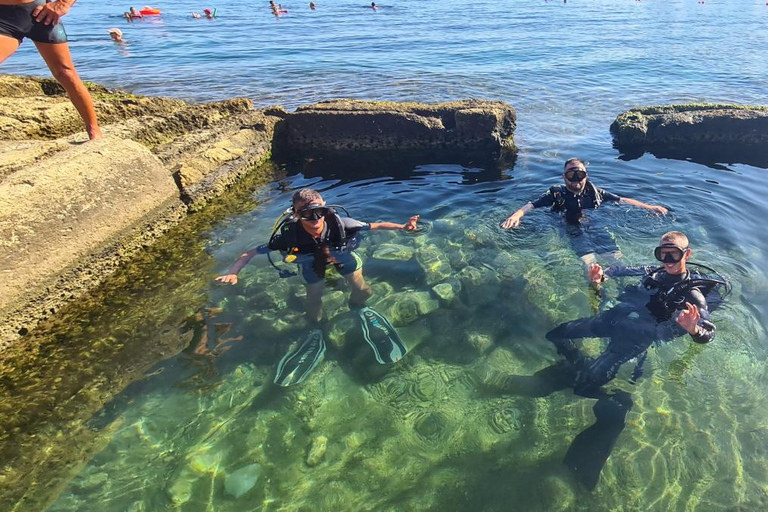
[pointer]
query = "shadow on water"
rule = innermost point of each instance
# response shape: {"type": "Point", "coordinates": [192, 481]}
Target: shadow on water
{"type": "Point", "coordinates": [355, 166]}
{"type": "Point", "coordinates": [715, 156]}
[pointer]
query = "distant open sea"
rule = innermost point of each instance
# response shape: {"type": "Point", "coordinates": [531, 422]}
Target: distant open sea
{"type": "Point", "coordinates": [568, 68]}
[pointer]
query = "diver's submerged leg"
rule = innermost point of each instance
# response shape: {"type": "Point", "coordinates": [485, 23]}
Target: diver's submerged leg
{"type": "Point", "coordinates": [563, 335]}
{"type": "Point", "coordinates": [314, 304]}
{"type": "Point", "coordinates": [359, 291]}
{"type": "Point", "coordinates": [606, 366]}
{"type": "Point", "coordinates": [591, 448]}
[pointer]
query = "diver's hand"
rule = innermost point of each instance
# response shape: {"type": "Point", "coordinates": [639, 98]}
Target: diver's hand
{"type": "Point", "coordinates": [689, 318]}
{"type": "Point", "coordinates": [411, 224]}
{"type": "Point", "coordinates": [227, 278]}
{"type": "Point", "coordinates": [511, 222]}
{"type": "Point", "coordinates": [658, 209]}
{"type": "Point", "coordinates": [596, 274]}
{"type": "Point", "coordinates": [50, 13]}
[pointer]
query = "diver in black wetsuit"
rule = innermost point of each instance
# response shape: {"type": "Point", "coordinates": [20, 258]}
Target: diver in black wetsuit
{"type": "Point", "coordinates": [579, 194]}
{"type": "Point", "coordinates": [670, 301]}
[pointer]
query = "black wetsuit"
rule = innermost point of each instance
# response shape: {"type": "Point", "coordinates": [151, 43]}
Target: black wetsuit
{"type": "Point", "coordinates": [340, 236]}
{"type": "Point", "coordinates": [645, 314]}
{"type": "Point", "coordinates": [584, 240]}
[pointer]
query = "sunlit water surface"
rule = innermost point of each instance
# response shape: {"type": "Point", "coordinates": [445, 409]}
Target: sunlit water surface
{"type": "Point", "coordinates": [425, 434]}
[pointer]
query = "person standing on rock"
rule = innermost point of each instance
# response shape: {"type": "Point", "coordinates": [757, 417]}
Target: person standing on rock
{"type": "Point", "coordinates": [38, 20]}
{"type": "Point", "coordinates": [313, 236]}
{"type": "Point", "coordinates": [579, 194]}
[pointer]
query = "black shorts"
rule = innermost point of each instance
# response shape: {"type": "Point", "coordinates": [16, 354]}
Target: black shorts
{"type": "Point", "coordinates": [16, 21]}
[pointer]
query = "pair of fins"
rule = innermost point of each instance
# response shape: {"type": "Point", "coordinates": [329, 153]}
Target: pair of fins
{"type": "Point", "coordinates": [387, 347]}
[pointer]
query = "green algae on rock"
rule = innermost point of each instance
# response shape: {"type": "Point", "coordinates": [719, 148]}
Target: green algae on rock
{"type": "Point", "coordinates": [703, 131]}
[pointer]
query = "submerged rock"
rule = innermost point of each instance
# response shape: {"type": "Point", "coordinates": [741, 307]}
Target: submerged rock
{"type": "Point", "coordinates": [393, 252]}
{"type": "Point", "coordinates": [403, 308]}
{"type": "Point", "coordinates": [317, 451]}
{"type": "Point", "coordinates": [434, 263]}
{"type": "Point", "coordinates": [242, 480]}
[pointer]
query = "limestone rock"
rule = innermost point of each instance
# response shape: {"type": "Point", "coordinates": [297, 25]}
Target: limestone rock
{"type": "Point", "coordinates": [242, 480]}
{"type": "Point", "coordinates": [393, 252]}
{"type": "Point", "coordinates": [736, 133]}
{"type": "Point", "coordinates": [56, 214]}
{"type": "Point", "coordinates": [434, 263]}
{"type": "Point", "coordinates": [317, 451]}
{"type": "Point", "coordinates": [352, 125]}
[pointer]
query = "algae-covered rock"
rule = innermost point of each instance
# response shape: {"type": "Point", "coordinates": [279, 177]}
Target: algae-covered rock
{"type": "Point", "coordinates": [340, 329]}
{"type": "Point", "coordinates": [480, 342]}
{"type": "Point", "coordinates": [317, 451]}
{"type": "Point", "coordinates": [445, 291]}
{"type": "Point", "coordinates": [393, 252]}
{"type": "Point", "coordinates": [243, 480]}
{"type": "Point", "coordinates": [403, 308]}
{"type": "Point", "coordinates": [434, 263]}
{"type": "Point", "coordinates": [482, 284]}
{"type": "Point", "coordinates": [709, 131]}
{"type": "Point", "coordinates": [353, 125]}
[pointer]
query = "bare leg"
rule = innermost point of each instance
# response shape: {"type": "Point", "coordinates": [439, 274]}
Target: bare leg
{"type": "Point", "coordinates": [59, 61]}
{"type": "Point", "coordinates": [359, 289]}
{"type": "Point", "coordinates": [8, 45]}
{"type": "Point", "coordinates": [315, 301]}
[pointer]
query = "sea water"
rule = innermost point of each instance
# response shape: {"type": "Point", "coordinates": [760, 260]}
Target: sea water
{"type": "Point", "coordinates": [426, 433]}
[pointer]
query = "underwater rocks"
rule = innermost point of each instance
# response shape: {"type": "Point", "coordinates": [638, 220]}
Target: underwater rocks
{"type": "Point", "coordinates": [317, 451]}
{"type": "Point", "coordinates": [706, 131]}
{"type": "Point", "coordinates": [242, 480]}
{"type": "Point", "coordinates": [354, 125]}
{"type": "Point", "coordinates": [403, 308]}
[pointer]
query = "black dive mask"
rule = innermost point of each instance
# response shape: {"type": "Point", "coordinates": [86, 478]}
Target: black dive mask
{"type": "Point", "coordinates": [575, 176]}
{"type": "Point", "coordinates": [669, 253]}
{"type": "Point", "coordinates": [313, 211]}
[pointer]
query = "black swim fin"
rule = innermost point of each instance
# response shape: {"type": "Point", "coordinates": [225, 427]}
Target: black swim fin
{"type": "Point", "coordinates": [592, 447]}
{"type": "Point", "coordinates": [381, 336]}
{"type": "Point", "coordinates": [296, 365]}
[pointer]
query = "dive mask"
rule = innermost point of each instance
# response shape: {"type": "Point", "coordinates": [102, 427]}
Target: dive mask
{"type": "Point", "coordinates": [669, 253]}
{"type": "Point", "coordinates": [575, 175]}
{"type": "Point", "coordinates": [313, 211]}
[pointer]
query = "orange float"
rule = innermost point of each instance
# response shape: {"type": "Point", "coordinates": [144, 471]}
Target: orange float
{"type": "Point", "coordinates": [149, 11]}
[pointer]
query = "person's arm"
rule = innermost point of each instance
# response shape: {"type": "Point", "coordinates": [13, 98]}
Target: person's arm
{"type": "Point", "coordinates": [634, 202]}
{"type": "Point", "coordinates": [514, 220]}
{"type": "Point", "coordinates": [598, 274]}
{"type": "Point", "coordinates": [50, 13]}
{"type": "Point", "coordinates": [408, 226]}
{"type": "Point", "coordinates": [231, 275]}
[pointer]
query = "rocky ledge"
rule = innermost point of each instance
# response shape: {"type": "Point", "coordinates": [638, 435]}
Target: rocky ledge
{"type": "Point", "coordinates": [72, 211]}
{"type": "Point", "coordinates": [717, 130]}
{"type": "Point", "coordinates": [349, 125]}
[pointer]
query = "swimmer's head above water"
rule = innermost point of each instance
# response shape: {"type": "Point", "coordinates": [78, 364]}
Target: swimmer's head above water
{"type": "Point", "coordinates": [575, 175]}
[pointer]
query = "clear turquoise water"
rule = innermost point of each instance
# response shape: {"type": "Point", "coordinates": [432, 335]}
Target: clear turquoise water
{"type": "Point", "coordinates": [425, 435]}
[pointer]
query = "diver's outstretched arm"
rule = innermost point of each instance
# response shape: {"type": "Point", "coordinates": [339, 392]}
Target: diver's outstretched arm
{"type": "Point", "coordinates": [408, 226]}
{"type": "Point", "coordinates": [231, 275]}
{"type": "Point", "coordinates": [514, 220]}
{"type": "Point", "coordinates": [653, 207]}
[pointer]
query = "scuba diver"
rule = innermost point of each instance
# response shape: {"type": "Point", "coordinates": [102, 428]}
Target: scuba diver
{"type": "Point", "coordinates": [573, 198]}
{"type": "Point", "coordinates": [313, 236]}
{"type": "Point", "coordinates": [670, 301]}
